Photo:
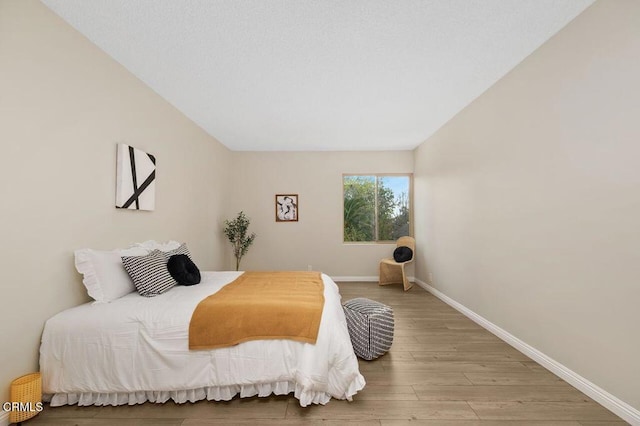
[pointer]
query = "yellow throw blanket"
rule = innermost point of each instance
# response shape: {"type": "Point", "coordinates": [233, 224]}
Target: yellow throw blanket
{"type": "Point", "coordinates": [260, 305]}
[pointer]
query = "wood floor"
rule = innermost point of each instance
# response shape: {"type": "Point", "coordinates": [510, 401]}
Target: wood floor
{"type": "Point", "coordinates": [442, 369]}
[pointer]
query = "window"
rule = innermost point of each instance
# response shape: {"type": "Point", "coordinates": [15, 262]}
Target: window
{"type": "Point", "coordinates": [376, 207]}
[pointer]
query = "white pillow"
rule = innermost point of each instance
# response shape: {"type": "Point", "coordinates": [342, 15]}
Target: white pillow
{"type": "Point", "coordinates": [104, 275]}
{"type": "Point", "coordinates": [154, 245]}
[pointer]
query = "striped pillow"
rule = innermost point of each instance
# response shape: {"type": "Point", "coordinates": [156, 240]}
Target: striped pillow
{"type": "Point", "coordinates": [149, 273]}
{"type": "Point", "coordinates": [183, 249]}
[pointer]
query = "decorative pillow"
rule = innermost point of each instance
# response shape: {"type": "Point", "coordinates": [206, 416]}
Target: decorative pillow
{"type": "Point", "coordinates": [183, 270]}
{"type": "Point", "coordinates": [402, 254]}
{"type": "Point", "coordinates": [183, 249]}
{"type": "Point", "coordinates": [154, 245]}
{"type": "Point", "coordinates": [103, 274]}
{"type": "Point", "coordinates": [149, 273]}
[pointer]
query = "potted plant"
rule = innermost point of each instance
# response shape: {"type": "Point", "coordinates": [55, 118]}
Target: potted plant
{"type": "Point", "coordinates": [236, 231]}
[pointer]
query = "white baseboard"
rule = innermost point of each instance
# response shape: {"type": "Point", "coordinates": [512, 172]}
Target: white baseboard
{"type": "Point", "coordinates": [4, 419]}
{"type": "Point", "coordinates": [615, 405]}
{"type": "Point", "coordinates": [354, 278]}
{"type": "Point", "coordinates": [363, 279]}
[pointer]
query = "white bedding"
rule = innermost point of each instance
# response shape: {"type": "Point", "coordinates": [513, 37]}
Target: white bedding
{"type": "Point", "coordinates": [135, 349]}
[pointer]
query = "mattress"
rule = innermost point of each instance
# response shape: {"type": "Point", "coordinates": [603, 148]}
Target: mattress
{"type": "Point", "coordinates": [135, 349]}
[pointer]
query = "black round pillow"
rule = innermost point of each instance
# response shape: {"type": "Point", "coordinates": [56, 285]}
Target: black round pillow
{"type": "Point", "coordinates": [402, 254]}
{"type": "Point", "coordinates": [183, 270]}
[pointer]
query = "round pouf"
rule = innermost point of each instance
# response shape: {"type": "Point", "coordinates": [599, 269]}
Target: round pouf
{"type": "Point", "coordinates": [370, 326]}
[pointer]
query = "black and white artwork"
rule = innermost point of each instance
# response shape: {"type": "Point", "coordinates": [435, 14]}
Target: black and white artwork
{"type": "Point", "coordinates": [286, 207]}
{"type": "Point", "coordinates": [135, 179]}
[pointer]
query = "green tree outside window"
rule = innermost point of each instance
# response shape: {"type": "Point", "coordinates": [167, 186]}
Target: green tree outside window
{"type": "Point", "coordinates": [376, 208]}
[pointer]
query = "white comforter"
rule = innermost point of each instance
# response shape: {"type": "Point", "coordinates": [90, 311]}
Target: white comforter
{"type": "Point", "coordinates": [135, 349]}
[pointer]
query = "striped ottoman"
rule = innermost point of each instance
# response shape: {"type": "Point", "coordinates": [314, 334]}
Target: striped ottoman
{"type": "Point", "coordinates": [370, 326]}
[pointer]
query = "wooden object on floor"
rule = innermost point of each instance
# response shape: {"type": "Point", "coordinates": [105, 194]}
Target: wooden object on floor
{"type": "Point", "coordinates": [392, 272]}
{"type": "Point", "coordinates": [27, 391]}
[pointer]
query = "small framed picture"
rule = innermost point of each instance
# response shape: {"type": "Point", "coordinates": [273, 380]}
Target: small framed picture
{"type": "Point", "coordinates": [286, 207]}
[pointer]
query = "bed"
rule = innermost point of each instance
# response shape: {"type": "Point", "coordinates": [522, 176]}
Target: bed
{"type": "Point", "coordinates": [135, 349]}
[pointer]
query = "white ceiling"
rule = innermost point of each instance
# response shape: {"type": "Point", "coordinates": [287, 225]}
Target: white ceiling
{"type": "Point", "coordinates": [270, 75]}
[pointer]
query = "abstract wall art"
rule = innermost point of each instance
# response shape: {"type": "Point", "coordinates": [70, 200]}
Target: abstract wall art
{"type": "Point", "coordinates": [286, 207]}
{"type": "Point", "coordinates": [135, 179]}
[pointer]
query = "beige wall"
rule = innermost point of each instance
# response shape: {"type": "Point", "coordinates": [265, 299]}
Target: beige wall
{"type": "Point", "coordinates": [316, 239]}
{"type": "Point", "coordinates": [529, 200]}
{"type": "Point", "coordinates": [63, 107]}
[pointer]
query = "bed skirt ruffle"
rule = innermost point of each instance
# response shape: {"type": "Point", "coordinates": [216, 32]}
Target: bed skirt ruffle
{"type": "Point", "coordinates": [211, 393]}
